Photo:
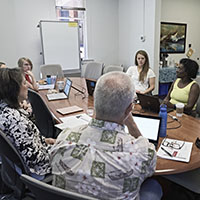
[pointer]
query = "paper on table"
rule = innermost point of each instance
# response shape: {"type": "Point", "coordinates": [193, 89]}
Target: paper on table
{"type": "Point", "coordinates": [73, 121]}
{"type": "Point", "coordinates": [68, 110]}
{"type": "Point", "coordinates": [46, 87]}
{"type": "Point", "coordinates": [182, 154]}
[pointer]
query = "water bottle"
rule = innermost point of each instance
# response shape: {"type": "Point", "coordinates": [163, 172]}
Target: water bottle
{"type": "Point", "coordinates": [48, 79]}
{"type": "Point", "coordinates": [163, 115]}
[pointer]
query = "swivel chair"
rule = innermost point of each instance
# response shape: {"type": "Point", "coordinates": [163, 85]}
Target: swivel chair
{"type": "Point", "coordinates": [53, 70]}
{"type": "Point", "coordinates": [93, 70]}
{"type": "Point", "coordinates": [111, 68]}
{"type": "Point", "coordinates": [43, 117]}
{"type": "Point", "coordinates": [45, 191]}
{"type": "Point", "coordinates": [198, 107]}
{"type": "Point", "coordinates": [12, 165]}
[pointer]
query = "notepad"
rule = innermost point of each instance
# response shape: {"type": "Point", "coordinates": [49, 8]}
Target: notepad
{"type": "Point", "coordinates": [175, 150]}
{"type": "Point", "coordinates": [69, 110]}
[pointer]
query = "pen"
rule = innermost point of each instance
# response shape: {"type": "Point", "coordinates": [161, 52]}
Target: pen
{"type": "Point", "coordinates": [169, 154]}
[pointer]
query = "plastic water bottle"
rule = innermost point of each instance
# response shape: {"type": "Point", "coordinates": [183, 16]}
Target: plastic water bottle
{"type": "Point", "coordinates": [48, 79]}
{"type": "Point", "coordinates": [163, 115]}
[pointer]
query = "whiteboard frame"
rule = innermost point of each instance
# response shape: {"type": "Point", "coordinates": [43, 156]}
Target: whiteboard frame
{"type": "Point", "coordinates": [45, 55]}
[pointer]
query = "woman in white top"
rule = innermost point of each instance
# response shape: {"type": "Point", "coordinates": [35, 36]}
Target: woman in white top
{"type": "Point", "coordinates": [143, 77]}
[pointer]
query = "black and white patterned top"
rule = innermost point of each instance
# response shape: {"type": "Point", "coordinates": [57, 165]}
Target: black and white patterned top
{"type": "Point", "coordinates": [26, 137]}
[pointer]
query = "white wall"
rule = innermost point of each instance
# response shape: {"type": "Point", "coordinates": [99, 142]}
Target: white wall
{"type": "Point", "coordinates": [19, 33]}
{"type": "Point", "coordinates": [102, 30]}
{"type": "Point", "coordinates": [114, 30]}
{"type": "Point", "coordinates": [139, 18]}
{"type": "Point", "coordinates": [184, 11]}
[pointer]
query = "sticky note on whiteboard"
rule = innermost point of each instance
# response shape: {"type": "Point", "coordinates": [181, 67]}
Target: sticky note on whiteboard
{"type": "Point", "coordinates": [72, 24]}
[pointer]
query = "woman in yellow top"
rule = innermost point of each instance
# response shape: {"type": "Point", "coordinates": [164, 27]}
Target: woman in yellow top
{"type": "Point", "coordinates": [184, 89]}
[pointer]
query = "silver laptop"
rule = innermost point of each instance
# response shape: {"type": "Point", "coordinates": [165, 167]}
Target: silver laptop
{"type": "Point", "coordinates": [61, 95]}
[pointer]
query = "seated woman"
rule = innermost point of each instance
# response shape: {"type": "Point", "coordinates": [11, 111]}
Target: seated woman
{"type": "Point", "coordinates": [184, 89]}
{"type": "Point", "coordinates": [26, 65]}
{"type": "Point", "coordinates": [143, 77]}
{"type": "Point", "coordinates": [22, 132]}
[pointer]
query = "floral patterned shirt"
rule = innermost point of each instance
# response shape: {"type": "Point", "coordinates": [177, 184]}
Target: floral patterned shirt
{"type": "Point", "coordinates": [102, 160]}
{"type": "Point", "coordinates": [26, 137]}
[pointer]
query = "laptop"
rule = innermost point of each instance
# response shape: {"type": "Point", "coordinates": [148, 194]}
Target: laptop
{"type": "Point", "coordinates": [149, 127]}
{"type": "Point", "coordinates": [151, 103]}
{"type": "Point", "coordinates": [91, 83]}
{"type": "Point", "coordinates": [61, 95]}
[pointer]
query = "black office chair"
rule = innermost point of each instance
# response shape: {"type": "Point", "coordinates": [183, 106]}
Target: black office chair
{"type": "Point", "coordinates": [43, 117]}
{"type": "Point", "coordinates": [11, 160]}
{"type": "Point", "coordinates": [45, 191]}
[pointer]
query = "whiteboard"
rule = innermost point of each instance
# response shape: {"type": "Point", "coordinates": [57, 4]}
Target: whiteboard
{"type": "Point", "coordinates": [60, 44]}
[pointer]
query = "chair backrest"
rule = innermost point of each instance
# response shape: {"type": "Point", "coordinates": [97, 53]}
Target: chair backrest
{"type": "Point", "coordinates": [93, 70]}
{"type": "Point", "coordinates": [53, 70]}
{"type": "Point", "coordinates": [111, 68]}
{"type": "Point", "coordinates": [43, 191]}
{"type": "Point", "coordinates": [198, 107]}
{"type": "Point", "coordinates": [43, 117]}
{"type": "Point", "coordinates": [12, 166]}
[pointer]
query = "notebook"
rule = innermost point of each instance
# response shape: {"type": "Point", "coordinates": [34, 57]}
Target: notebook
{"type": "Point", "coordinates": [151, 103]}
{"type": "Point", "coordinates": [149, 127]}
{"type": "Point", "coordinates": [61, 95]}
{"type": "Point", "coordinates": [91, 83]}
{"type": "Point", "coordinates": [69, 110]}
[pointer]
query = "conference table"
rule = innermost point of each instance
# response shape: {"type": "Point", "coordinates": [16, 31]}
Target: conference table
{"type": "Point", "coordinates": [188, 131]}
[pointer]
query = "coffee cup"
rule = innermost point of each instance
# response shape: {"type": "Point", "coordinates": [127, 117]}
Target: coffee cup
{"type": "Point", "coordinates": [179, 109]}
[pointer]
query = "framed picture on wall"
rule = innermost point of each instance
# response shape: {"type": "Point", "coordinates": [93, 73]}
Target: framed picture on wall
{"type": "Point", "coordinates": [172, 37]}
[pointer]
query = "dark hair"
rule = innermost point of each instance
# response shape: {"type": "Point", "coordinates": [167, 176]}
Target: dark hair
{"type": "Point", "coordinates": [11, 81]}
{"type": "Point", "coordinates": [145, 67]}
{"type": "Point", "coordinates": [191, 67]}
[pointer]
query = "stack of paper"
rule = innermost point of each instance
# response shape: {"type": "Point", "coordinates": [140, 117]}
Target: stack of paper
{"type": "Point", "coordinates": [175, 150]}
{"type": "Point", "coordinates": [73, 121]}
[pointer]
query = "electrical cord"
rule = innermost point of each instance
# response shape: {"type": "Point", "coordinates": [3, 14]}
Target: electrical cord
{"type": "Point", "coordinates": [174, 119]}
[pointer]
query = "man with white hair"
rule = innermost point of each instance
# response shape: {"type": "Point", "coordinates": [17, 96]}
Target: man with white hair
{"type": "Point", "coordinates": [102, 160]}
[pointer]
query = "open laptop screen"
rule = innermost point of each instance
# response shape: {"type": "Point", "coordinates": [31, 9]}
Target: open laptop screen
{"type": "Point", "coordinates": [67, 88]}
{"type": "Point", "coordinates": [149, 126]}
{"type": "Point", "coordinates": [90, 86]}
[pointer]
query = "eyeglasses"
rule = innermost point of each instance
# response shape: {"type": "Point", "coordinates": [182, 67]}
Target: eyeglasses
{"type": "Point", "coordinates": [174, 145]}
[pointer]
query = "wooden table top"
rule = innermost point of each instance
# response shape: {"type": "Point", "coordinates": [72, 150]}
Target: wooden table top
{"type": "Point", "coordinates": [189, 130]}
{"type": "Point", "coordinates": [75, 98]}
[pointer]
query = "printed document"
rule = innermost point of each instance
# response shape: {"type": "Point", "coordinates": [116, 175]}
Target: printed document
{"type": "Point", "coordinates": [73, 121]}
{"type": "Point", "coordinates": [175, 150]}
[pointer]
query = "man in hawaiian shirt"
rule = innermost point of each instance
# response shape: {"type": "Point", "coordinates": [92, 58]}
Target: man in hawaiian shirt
{"type": "Point", "coordinates": [102, 160]}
